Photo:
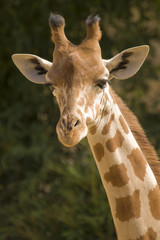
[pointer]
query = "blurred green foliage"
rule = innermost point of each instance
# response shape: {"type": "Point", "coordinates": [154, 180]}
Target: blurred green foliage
{"type": "Point", "coordinates": [46, 190]}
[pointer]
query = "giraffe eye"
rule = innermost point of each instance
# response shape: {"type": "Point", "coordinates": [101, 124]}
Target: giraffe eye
{"type": "Point", "coordinates": [101, 84]}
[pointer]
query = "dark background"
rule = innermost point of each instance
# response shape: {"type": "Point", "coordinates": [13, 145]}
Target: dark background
{"type": "Point", "coordinates": [48, 191]}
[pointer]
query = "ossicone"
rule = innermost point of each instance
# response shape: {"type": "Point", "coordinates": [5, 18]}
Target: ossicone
{"type": "Point", "coordinates": [57, 24]}
{"type": "Point", "coordinates": [56, 21]}
{"type": "Point", "coordinates": [92, 20]}
{"type": "Point", "coordinates": [93, 29]}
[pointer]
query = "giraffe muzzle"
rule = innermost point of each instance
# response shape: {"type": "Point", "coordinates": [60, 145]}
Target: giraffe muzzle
{"type": "Point", "coordinates": [69, 123]}
{"type": "Point", "coordinates": [71, 130]}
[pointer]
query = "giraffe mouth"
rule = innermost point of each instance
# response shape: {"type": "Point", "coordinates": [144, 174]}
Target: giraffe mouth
{"type": "Point", "coordinates": [70, 140]}
{"type": "Point", "coordinates": [70, 137]}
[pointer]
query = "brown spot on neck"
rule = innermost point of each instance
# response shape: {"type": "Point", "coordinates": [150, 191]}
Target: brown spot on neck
{"type": "Point", "coordinates": [123, 124]}
{"type": "Point", "coordinates": [98, 151]}
{"type": "Point", "coordinates": [117, 175]}
{"type": "Point", "coordinates": [113, 143]}
{"type": "Point", "coordinates": [149, 235]}
{"type": "Point", "coordinates": [93, 130]}
{"type": "Point", "coordinates": [107, 126]}
{"type": "Point", "coordinates": [128, 207]}
{"type": "Point", "coordinates": [154, 202]}
{"type": "Point", "coordinates": [138, 162]}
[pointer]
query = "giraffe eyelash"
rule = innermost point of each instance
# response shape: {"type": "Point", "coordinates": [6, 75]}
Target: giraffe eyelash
{"type": "Point", "coordinates": [102, 83]}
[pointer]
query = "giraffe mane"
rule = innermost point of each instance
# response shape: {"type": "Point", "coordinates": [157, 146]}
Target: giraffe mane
{"type": "Point", "coordinates": [140, 136]}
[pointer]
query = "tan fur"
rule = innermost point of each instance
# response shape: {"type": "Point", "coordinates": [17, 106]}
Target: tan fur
{"type": "Point", "coordinates": [140, 136]}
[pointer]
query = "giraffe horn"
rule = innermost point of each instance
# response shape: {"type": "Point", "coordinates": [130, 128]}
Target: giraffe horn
{"type": "Point", "coordinates": [57, 24]}
{"type": "Point", "coordinates": [93, 29]}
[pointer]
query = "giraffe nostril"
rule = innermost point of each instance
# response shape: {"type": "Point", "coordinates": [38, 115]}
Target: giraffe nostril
{"type": "Point", "coordinates": [76, 123]}
{"type": "Point", "coordinates": [70, 122]}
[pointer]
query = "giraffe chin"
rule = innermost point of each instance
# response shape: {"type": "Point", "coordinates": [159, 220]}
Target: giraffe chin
{"type": "Point", "coordinates": [70, 139]}
{"type": "Point", "coordinates": [68, 142]}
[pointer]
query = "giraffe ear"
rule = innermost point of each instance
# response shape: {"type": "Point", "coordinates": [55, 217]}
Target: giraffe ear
{"type": "Point", "coordinates": [32, 67]}
{"type": "Point", "coordinates": [127, 63]}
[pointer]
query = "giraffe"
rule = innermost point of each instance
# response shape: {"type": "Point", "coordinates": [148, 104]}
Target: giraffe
{"type": "Point", "coordinates": [128, 165]}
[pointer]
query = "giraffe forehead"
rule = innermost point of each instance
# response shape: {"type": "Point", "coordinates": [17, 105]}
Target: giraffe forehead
{"type": "Point", "coordinates": [77, 67]}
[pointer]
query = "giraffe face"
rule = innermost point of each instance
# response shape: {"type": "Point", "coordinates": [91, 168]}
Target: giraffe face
{"type": "Point", "coordinates": [77, 78]}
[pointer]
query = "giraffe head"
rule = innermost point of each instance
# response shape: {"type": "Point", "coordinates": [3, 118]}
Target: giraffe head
{"type": "Point", "coordinates": [78, 76]}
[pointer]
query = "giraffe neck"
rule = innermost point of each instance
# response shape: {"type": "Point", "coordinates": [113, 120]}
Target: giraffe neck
{"type": "Point", "coordinates": [129, 182]}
